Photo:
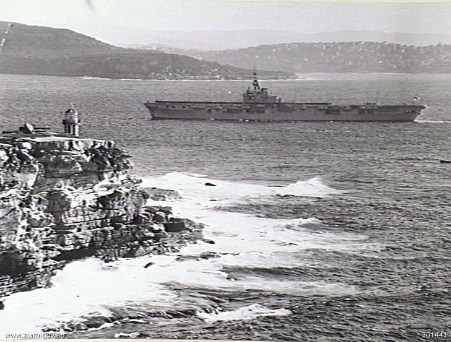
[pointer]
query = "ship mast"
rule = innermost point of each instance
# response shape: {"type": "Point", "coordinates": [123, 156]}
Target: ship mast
{"type": "Point", "coordinates": [255, 83]}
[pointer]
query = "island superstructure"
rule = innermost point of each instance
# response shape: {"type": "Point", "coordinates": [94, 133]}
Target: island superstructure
{"type": "Point", "coordinates": [258, 104]}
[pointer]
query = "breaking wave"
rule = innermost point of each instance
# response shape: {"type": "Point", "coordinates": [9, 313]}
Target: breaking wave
{"type": "Point", "coordinates": [244, 313]}
{"type": "Point", "coordinates": [95, 78]}
{"type": "Point", "coordinates": [91, 288]}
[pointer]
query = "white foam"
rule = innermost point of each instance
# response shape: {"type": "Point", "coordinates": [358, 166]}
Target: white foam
{"type": "Point", "coordinates": [244, 313]}
{"type": "Point", "coordinates": [245, 240]}
{"type": "Point", "coordinates": [82, 288]}
{"type": "Point", "coordinates": [95, 78]}
{"type": "Point", "coordinates": [193, 187]}
{"type": "Point", "coordinates": [313, 187]}
{"type": "Point", "coordinates": [90, 287]}
{"type": "Point", "coordinates": [432, 121]}
{"type": "Point", "coordinates": [131, 335]}
{"type": "Point", "coordinates": [243, 234]}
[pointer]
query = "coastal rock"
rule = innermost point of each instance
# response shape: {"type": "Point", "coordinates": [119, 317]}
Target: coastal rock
{"type": "Point", "coordinates": [174, 226]}
{"type": "Point", "coordinates": [156, 194]}
{"type": "Point", "coordinates": [64, 198]}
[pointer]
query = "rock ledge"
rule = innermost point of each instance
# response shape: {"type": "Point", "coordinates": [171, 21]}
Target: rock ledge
{"type": "Point", "coordinates": [64, 198]}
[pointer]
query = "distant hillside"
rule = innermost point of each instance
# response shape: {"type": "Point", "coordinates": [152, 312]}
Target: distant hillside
{"type": "Point", "coordinates": [36, 50]}
{"type": "Point", "coordinates": [238, 39]}
{"type": "Point", "coordinates": [360, 57]}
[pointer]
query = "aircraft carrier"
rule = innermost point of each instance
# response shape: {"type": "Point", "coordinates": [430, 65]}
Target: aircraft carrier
{"type": "Point", "coordinates": [259, 104]}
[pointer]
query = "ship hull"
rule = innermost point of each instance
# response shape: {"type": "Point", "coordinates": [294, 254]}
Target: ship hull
{"type": "Point", "coordinates": [171, 110]}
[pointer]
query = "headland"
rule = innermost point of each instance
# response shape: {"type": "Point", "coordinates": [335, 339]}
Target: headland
{"type": "Point", "coordinates": [64, 197]}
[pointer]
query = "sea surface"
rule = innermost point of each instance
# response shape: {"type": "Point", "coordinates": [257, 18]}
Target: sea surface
{"type": "Point", "coordinates": [323, 231]}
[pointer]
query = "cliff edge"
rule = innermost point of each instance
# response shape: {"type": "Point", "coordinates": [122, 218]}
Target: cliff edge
{"type": "Point", "coordinates": [63, 197]}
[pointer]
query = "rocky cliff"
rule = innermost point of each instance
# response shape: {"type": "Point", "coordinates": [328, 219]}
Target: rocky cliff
{"type": "Point", "coordinates": [63, 198]}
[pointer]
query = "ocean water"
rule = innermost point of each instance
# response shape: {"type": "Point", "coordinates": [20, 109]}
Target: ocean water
{"type": "Point", "coordinates": [323, 231]}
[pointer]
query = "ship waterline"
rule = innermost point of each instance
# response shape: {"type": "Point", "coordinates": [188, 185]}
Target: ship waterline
{"type": "Point", "coordinates": [259, 105]}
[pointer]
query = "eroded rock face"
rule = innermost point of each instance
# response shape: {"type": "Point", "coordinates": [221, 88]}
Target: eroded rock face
{"type": "Point", "coordinates": [63, 198]}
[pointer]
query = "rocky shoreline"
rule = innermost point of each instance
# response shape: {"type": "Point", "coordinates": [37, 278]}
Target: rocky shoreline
{"type": "Point", "coordinates": [64, 198]}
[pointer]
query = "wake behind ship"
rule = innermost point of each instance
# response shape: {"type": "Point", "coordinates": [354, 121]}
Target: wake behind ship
{"type": "Point", "coordinates": [259, 105]}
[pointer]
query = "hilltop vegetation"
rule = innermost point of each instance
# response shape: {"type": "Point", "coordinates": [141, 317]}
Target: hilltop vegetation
{"type": "Point", "coordinates": [336, 57]}
{"type": "Point", "coordinates": [35, 50]}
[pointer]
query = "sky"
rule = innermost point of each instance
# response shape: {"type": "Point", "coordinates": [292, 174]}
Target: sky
{"type": "Point", "coordinates": [97, 18]}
